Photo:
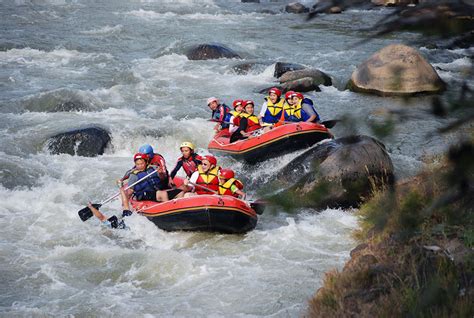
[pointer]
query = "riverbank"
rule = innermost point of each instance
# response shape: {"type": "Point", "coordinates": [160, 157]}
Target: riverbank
{"type": "Point", "coordinates": [415, 256]}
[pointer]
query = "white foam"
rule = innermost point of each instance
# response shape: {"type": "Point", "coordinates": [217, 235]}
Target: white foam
{"type": "Point", "coordinates": [106, 30]}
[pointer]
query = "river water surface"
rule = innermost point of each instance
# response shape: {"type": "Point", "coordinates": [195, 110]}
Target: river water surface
{"type": "Point", "coordinates": [123, 63]}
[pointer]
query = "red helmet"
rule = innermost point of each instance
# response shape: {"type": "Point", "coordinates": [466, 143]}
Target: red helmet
{"type": "Point", "coordinates": [226, 173]}
{"type": "Point", "coordinates": [289, 94]}
{"type": "Point", "coordinates": [139, 155]}
{"type": "Point", "coordinates": [237, 102]}
{"type": "Point", "coordinates": [299, 95]}
{"type": "Point", "coordinates": [275, 90]}
{"type": "Point", "coordinates": [248, 102]}
{"type": "Point", "coordinates": [212, 160]}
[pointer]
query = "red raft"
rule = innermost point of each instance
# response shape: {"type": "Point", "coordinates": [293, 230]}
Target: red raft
{"type": "Point", "coordinates": [278, 141]}
{"type": "Point", "coordinates": [208, 213]}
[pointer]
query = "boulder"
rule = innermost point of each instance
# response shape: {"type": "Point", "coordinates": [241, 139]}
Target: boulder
{"type": "Point", "coordinates": [210, 51]}
{"type": "Point", "coordinates": [282, 67]}
{"type": "Point", "coordinates": [318, 77]}
{"type": "Point", "coordinates": [296, 7]}
{"type": "Point", "coordinates": [62, 100]}
{"type": "Point", "coordinates": [302, 85]}
{"type": "Point", "coordinates": [88, 142]}
{"type": "Point", "coordinates": [247, 67]}
{"type": "Point", "coordinates": [339, 173]}
{"type": "Point", "coordinates": [396, 69]}
{"type": "Point", "coordinates": [393, 3]}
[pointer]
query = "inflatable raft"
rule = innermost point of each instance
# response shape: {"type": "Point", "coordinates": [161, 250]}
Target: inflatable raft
{"type": "Point", "coordinates": [208, 213]}
{"type": "Point", "coordinates": [278, 141]}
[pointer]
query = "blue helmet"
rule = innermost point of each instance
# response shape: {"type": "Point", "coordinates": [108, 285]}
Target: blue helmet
{"type": "Point", "coordinates": [146, 148]}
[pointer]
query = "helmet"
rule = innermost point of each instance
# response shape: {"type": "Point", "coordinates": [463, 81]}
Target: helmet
{"type": "Point", "coordinates": [275, 91]}
{"type": "Point", "coordinates": [226, 173]}
{"type": "Point", "coordinates": [237, 102]}
{"type": "Point", "coordinates": [187, 144]}
{"type": "Point", "coordinates": [248, 101]}
{"type": "Point", "coordinates": [146, 149]}
{"type": "Point", "coordinates": [212, 99]}
{"type": "Point", "coordinates": [299, 95]}
{"type": "Point", "coordinates": [212, 160]}
{"type": "Point", "coordinates": [289, 94]}
{"type": "Point", "coordinates": [139, 155]}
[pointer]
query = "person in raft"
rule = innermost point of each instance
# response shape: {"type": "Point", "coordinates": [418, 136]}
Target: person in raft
{"type": "Point", "coordinates": [272, 107]}
{"type": "Point", "coordinates": [156, 160]}
{"type": "Point", "coordinates": [114, 222]}
{"type": "Point", "coordinates": [205, 178]}
{"type": "Point", "coordinates": [152, 188]}
{"type": "Point", "coordinates": [247, 122]}
{"type": "Point", "coordinates": [228, 185]}
{"type": "Point", "coordinates": [238, 109]}
{"type": "Point", "coordinates": [301, 110]}
{"type": "Point", "coordinates": [220, 113]}
{"type": "Point", "coordinates": [189, 160]}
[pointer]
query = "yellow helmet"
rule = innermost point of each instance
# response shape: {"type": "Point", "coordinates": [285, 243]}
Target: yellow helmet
{"type": "Point", "coordinates": [187, 144]}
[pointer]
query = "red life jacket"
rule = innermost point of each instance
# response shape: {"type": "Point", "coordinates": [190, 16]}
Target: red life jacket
{"type": "Point", "coordinates": [225, 188]}
{"type": "Point", "coordinates": [252, 122]}
{"type": "Point", "coordinates": [189, 165]}
{"type": "Point", "coordinates": [208, 180]}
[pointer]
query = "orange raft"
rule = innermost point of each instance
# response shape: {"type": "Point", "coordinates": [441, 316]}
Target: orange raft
{"type": "Point", "coordinates": [208, 213]}
{"type": "Point", "coordinates": [278, 141]}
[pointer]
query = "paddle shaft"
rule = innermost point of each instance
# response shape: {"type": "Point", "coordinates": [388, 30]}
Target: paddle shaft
{"type": "Point", "coordinates": [128, 187]}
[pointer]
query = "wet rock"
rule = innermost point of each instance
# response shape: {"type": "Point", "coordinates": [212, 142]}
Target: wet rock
{"type": "Point", "coordinates": [393, 3]}
{"type": "Point", "coordinates": [88, 142]}
{"type": "Point", "coordinates": [302, 85]}
{"type": "Point", "coordinates": [60, 101]}
{"type": "Point", "coordinates": [210, 51]}
{"type": "Point", "coordinates": [282, 67]}
{"type": "Point", "coordinates": [396, 70]}
{"type": "Point", "coordinates": [247, 67]}
{"type": "Point", "coordinates": [335, 10]}
{"type": "Point", "coordinates": [339, 173]}
{"type": "Point", "coordinates": [319, 78]}
{"type": "Point", "coordinates": [296, 7]}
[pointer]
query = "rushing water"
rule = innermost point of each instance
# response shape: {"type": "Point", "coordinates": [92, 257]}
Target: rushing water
{"type": "Point", "coordinates": [124, 62]}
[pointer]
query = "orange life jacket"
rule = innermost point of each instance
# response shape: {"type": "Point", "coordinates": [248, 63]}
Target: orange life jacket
{"type": "Point", "coordinates": [208, 180]}
{"type": "Point", "coordinates": [225, 188]}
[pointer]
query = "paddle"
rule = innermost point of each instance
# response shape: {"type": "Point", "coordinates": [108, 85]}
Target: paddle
{"type": "Point", "coordinates": [330, 123]}
{"type": "Point", "coordinates": [258, 205]}
{"type": "Point", "coordinates": [86, 213]}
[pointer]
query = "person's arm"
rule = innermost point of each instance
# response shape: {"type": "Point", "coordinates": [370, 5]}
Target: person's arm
{"type": "Point", "coordinates": [176, 168]}
{"type": "Point", "coordinates": [192, 179]}
{"type": "Point", "coordinates": [96, 212]}
{"type": "Point", "coordinates": [235, 189]}
{"type": "Point", "coordinates": [262, 111]}
{"type": "Point", "coordinates": [308, 109]}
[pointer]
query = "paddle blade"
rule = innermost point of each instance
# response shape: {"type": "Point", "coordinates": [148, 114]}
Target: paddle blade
{"type": "Point", "coordinates": [86, 213]}
{"type": "Point", "coordinates": [258, 206]}
{"type": "Point", "coordinates": [329, 123]}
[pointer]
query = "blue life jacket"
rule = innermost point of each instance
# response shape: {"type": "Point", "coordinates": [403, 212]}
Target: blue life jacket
{"type": "Point", "coordinates": [273, 111]}
{"type": "Point", "coordinates": [310, 102]}
{"type": "Point", "coordinates": [224, 120]}
{"type": "Point", "coordinates": [151, 184]}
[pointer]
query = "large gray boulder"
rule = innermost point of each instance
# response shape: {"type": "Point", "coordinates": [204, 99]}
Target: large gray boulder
{"type": "Point", "coordinates": [283, 67]}
{"type": "Point", "coordinates": [296, 7]}
{"type": "Point", "coordinates": [339, 173]}
{"type": "Point", "coordinates": [87, 142]}
{"type": "Point", "coordinates": [210, 51]}
{"type": "Point", "coordinates": [319, 78]}
{"type": "Point", "coordinates": [396, 69]}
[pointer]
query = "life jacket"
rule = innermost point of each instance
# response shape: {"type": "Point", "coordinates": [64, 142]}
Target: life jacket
{"type": "Point", "coordinates": [208, 180]}
{"type": "Point", "coordinates": [222, 115]}
{"type": "Point", "coordinates": [295, 113]}
{"type": "Point", "coordinates": [273, 111]}
{"type": "Point", "coordinates": [191, 164]}
{"type": "Point", "coordinates": [225, 188]}
{"type": "Point", "coordinates": [151, 184]}
{"type": "Point", "coordinates": [310, 103]}
{"type": "Point", "coordinates": [253, 123]}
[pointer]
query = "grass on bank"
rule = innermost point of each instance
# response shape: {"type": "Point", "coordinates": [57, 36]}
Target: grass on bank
{"type": "Point", "coordinates": [416, 259]}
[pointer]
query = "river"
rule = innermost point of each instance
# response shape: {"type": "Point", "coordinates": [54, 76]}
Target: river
{"type": "Point", "coordinates": [124, 62]}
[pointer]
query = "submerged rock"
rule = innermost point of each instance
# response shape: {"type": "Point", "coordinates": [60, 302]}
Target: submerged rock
{"type": "Point", "coordinates": [210, 51]}
{"type": "Point", "coordinates": [396, 70]}
{"type": "Point", "coordinates": [296, 7]}
{"type": "Point", "coordinates": [339, 173]}
{"type": "Point", "coordinates": [88, 142]}
{"type": "Point", "coordinates": [282, 67]}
